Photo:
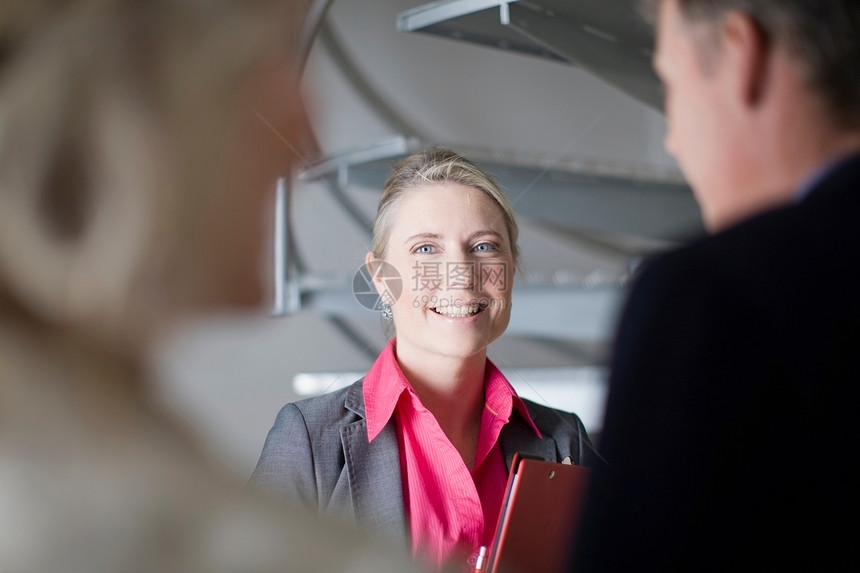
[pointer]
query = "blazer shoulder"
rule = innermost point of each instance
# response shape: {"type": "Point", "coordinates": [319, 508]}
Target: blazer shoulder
{"type": "Point", "coordinates": [332, 404]}
{"type": "Point", "coordinates": [323, 414]}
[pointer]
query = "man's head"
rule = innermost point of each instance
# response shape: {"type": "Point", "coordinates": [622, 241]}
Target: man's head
{"type": "Point", "coordinates": [757, 94]}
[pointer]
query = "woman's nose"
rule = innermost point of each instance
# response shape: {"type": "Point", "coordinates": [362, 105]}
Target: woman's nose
{"type": "Point", "coordinates": [459, 272]}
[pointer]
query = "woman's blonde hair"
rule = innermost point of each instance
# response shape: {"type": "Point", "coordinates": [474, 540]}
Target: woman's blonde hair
{"type": "Point", "coordinates": [120, 197]}
{"type": "Point", "coordinates": [437, 165]}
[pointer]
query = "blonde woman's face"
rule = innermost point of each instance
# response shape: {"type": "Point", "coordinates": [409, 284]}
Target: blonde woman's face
{"type": "Point", "coordinates": [450, 244]}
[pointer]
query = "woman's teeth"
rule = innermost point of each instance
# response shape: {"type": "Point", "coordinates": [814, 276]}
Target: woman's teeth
{"type": "Point", "coordinates": [458, 311]}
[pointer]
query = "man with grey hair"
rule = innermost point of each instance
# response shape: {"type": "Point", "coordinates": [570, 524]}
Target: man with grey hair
{"type": "Point", "coordinates": [729, 425]}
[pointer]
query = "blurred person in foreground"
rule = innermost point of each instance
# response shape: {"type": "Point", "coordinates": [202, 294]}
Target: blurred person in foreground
{"type": "Point", "coordinates": [730, 425]}
{"type": "Point", "coordinates": [420, 447]}
{"type": "Point", "coordinates": [139, 143]}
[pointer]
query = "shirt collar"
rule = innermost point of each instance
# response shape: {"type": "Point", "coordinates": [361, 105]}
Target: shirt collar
{"type": "Point", "coordinates": [384, 383]}
{"type": "Point", "coordinates": [500, 398]}
{"type": "Point", "coordinates": [818, 175]}
{"type": "Point", "coordinates": [382, 387]}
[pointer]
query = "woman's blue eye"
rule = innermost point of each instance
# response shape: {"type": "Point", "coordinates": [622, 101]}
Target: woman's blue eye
{"type": "Point", "coordinates": [424, 249]}
{"type": "Point", "coordinates": [486, 247]}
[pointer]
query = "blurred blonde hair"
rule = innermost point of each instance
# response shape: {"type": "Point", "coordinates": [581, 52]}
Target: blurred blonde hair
{"type": "Point", "coordinates": [122, 197]}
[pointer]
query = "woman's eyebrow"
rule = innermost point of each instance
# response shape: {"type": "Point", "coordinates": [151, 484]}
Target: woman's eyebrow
{"type": "Point", "coordinates": [474, 235]}
{"type": "Point", "coordinates": [422, 236]}
{"type": "Point", "coordinates": [486, 232]}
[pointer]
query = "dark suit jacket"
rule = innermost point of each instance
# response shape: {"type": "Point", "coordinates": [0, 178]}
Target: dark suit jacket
{"type": "Point", "coordinates": [317, 453]}
{"type": "Point", "coordinates": [730, 429]}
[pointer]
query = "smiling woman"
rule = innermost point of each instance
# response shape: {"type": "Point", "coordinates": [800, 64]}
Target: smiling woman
{"type": "Point", "coordinates": [460, 266]}
{"type": "Point", "coordinates": [420, 448]}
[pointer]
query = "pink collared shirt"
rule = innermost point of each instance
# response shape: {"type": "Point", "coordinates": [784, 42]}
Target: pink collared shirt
{"type": "Point", "coordinates": [451, 511]}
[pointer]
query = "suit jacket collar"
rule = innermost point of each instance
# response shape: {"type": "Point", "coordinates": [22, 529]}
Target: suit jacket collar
{"type": "Point", "coordinates": [373, 470]}
{"type": "Point", "coordinates": [835, 177]}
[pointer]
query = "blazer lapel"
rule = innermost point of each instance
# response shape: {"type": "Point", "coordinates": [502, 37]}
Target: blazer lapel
{"type": "Point", "coordinates": [373, 470]}
{"type": "Point", "coordinates": [518, 436]}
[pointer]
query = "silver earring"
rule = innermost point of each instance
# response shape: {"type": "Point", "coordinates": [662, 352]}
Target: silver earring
{"type": "Point", "coordinates": [386, 312]}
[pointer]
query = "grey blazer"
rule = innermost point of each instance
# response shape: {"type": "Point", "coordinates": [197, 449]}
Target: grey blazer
{"type": "Point", "coordinates": [317, 453]}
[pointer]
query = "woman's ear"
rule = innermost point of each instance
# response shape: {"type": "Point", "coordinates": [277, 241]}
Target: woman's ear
{"type": "Point", "coordinates": [372, 267]}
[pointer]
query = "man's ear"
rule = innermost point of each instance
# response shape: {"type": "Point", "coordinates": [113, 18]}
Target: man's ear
{"type": "Point", "coordinates": [372, 266]}
{"type": "Point", "coordinates": [747, 54]}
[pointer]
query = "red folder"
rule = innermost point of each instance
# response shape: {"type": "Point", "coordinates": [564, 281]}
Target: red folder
{"type": "Point", "coordinates": [539, 516]}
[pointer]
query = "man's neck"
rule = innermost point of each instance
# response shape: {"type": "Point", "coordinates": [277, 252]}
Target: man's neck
{"type": "Point", "coordinates": [788, 145]}
{"type": "Point", "coordinates": [801, 136]}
